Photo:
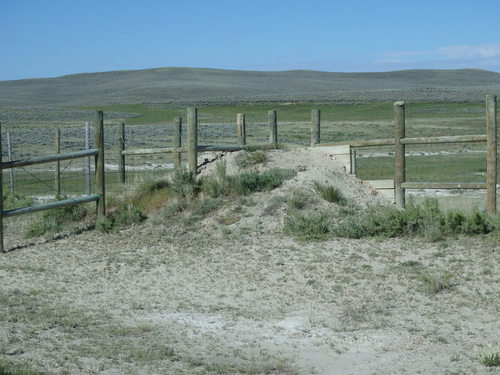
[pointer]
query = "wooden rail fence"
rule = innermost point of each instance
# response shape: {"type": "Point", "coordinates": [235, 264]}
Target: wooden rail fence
{"type": "Point", "coordinates": [400, 141]}
{"type": "Point", "coordinates": [192, 148]}
{"type": "Point", "coordinates": [99, 197]}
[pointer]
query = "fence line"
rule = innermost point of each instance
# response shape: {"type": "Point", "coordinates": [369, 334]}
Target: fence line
{"type": "Point", "coordinates": [400, 141]}
{"type": "Point", "coordinates": [98, 153]}
{"type": "Point", "coordinates": [192, 147]}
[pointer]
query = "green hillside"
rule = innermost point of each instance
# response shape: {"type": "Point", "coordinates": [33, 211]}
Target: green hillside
{"type": "Point", "coordinates": [180, 86]}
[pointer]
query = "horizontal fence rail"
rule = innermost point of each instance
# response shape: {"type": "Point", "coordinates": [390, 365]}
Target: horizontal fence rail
{"type": "Point", "coordinates": [99, 197]}
{"type": "Point", "coordinates": [49, 159]}
{"type": "Point", "coordinates": [51, 205]}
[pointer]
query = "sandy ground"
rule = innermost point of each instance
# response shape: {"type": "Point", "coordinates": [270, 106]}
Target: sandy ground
{"type": "Point", "coordinates": [231, 294]}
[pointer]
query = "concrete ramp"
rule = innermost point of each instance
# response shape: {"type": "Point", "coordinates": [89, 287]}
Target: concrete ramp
{"type": "Point", "coordinates": [343, 154]}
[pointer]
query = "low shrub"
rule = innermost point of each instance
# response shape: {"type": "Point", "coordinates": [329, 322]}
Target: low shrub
{"type": "Point", "coordinates": [425, 219]}
{"type": "Point", "coordinates": [184, 183]}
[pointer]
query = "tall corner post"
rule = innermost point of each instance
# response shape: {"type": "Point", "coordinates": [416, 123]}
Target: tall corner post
{"type": "Point", "coordinates": [273, 128]}
{"type": "Point", "coordinates": [121, 157]}
{"type": "Point", "coordinates": [11, 170]}
{"type": "Point", "coordinates": [352, 153]}
{"type": "Point", "coordinates": [57, 144]}
{"type": "Point", "coordinates": [315, 126]}
{"type": "Point", "coordinates": [241, 129]}
{"type": "Point", "coordinates": [399, 177]}
{"type": "Point", "coordinates": [177, 142]}
{"type": "Point", "coordinates": [88, 169]}
{"type": "Point", "coordinates": [1, 194]}
{"type": "Point", "coordinates": [491, 168]}
{"type": "Point", "coordinates": [99, 170]}
{"type": "Point", "coordinates": [192, 133]}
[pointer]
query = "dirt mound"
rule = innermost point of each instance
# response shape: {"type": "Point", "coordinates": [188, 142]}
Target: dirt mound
{"type": "Point", "coordinates": [312, 165]}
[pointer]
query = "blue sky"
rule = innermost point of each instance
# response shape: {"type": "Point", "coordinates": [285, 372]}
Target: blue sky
{"type": "Point", "coordinates": [48, 38]}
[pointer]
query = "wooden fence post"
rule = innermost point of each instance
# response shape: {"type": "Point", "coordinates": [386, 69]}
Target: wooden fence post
{"type": "Point", "coordinates": [99, 170]}
{"type": "Point", "coordinates": [1, 194]}
{"type": "Point", "coordinates": [192, 133]}
{"type": "Point", "coordinates": [87, 159]}
{"type": "Point", "coordinates": [241, 128]}
{"type": "Point", "coordinates": [273, 128]}
{"type": "Point", "coordinates": [353, 160]}
{"type": "Point", "coordinates": [315, 126]}
{"type": "Point", "coordinates": [11, 170]}
{"type": "Point", "coordinates": [121, 157]}
{"type": "Point", "coordinates": [399, 177]}
{"type": "Point", "coordinates": [491, 168]}
{"type": "Point", "coordinates": [177, 156]}
{"type": "Point", "coordinates": [57, 183]}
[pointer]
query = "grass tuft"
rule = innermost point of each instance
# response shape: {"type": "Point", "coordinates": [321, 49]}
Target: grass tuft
{"type": "Point", "coordinates": [437, 282]}
{"type": "Point", "coordinates": [248, 159]}
{"type": "Point", "coordinates": [330, 193]}
{"type": "Point", "coordinates": [307, 226]}
{"type": "Point", "coordinates": [490, 357]}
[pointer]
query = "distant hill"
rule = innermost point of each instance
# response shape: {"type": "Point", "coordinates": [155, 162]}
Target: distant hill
{"type": "Point", "coordinates": [205, 86]}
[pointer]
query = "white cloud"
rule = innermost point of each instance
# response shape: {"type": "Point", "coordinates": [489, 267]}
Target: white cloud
{"type": "Point", "coordinates": [485, 51]}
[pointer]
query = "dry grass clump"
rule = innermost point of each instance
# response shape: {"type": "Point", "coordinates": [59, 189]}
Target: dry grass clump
{"type": "Point", "coordinates": [490, 357]}
{"type": "Point", "coordinates": [248, 159]}
{"type": "Point", "coordinates": [330, 193]}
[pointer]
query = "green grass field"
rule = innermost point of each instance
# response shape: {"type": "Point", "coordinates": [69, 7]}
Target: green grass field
{"type": "Point", "coordinates": [294, 112]}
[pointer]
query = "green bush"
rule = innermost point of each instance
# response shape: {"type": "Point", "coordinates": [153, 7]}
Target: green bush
{"type": "Point", "coordinates": [184, 183]}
